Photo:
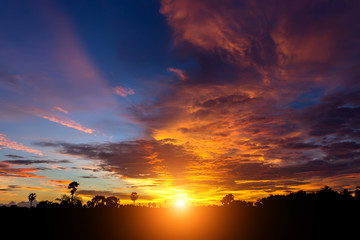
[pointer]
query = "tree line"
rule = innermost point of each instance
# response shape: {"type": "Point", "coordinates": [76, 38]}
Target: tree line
{"type": "Point", "coordinates": [325, 194]}
{"type": "Point", "coordinates": [74, 201]}
{"type": "Point", "coordinates": [294, 215]}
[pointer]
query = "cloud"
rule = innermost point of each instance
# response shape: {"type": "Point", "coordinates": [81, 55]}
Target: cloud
{"type": "Point", "coordinates": [121, 195]}
{"type": "Point", "coordinates": [272, 95]}
{"type": "Point", "coordinates": [59, 183]}
{"type": "Point", "coordinates": [300, 172]}
{"type": "Point", "coordinates": [13, 156]}
{"type": "Point", "coordinates": [123, 91]}
{"type": "Point", "coordinates": [20, 204]}
{"type": "Point", "coordinates": [248, 136]}
{"type": "Point", "coordinates": [88, 177]}
{"type": "Point", "coordinates": [62, 120]}
{"type": "Point", "coordinates": [30, 162]}
{"type": "Point", "coordinates": [184, 165]}
{"type": "Point", "coordinates": [15, 187]}
{"type": "Point", "coordinates": [337, 113]}
{"type": "Point", "coordinates": [180, 73]}
{"type": "Point", "coordinates": [133, 159]}
{"type": "Point", "coordinates": [79, 70]}
{"type": "Point", "coordinates": [263, 31]}
{"type": "Point", "coordinates": [67, 74]}
{"type": "Point", "coordinates": [300, 146]}
{"type": "Point", "coordinates": [270, 101]}
{"type": "Point", "coordinates": [5, 142]}
{"type": "Point", "coordinates": [268, 57]}
{"type": "Point", "coordinates": [65, 121]}
{"type": "Point", "coordinates": [6, 170]}
{"type": "Point", "coordinates": [207, 25]}
{"type": "Point", "coordinates": [61, 110]}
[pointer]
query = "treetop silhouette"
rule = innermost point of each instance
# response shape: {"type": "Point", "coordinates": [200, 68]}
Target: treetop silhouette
{"type": "Point", "coordinates": [73, 186]}
{"type": "Point", "coordinates": [134, 196]}
{"type": "Point", "coordinates": [31, 197]}
{"type": "Point", "coordinates": [227, 199]}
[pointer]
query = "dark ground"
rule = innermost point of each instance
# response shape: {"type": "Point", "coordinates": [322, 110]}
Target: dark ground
{"type": "Point", "coordinates": [277, 220]}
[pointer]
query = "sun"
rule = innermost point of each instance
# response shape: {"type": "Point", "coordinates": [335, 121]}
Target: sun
{"type": "Point", "coordinates": [180, 204]}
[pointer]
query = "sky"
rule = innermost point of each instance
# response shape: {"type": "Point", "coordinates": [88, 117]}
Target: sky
{"type": "Point", "coordinates": [178, 99]}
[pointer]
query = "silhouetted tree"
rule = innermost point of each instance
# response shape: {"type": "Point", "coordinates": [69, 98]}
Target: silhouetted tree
{"type": "Point", "coordinates": [32, 197]}
{"type": "Point", "coordinates": [98, 201]}
{"type": "Point", "coordinates": [64, 200]}
{"type": "Point", "coordinates": [73, 186]}
{"type": "Point", "coordinates": [90, 204]}
{"type": "Point", "coordinates": [357, 193]}
{"type": "Point", "coordinates": [134, 196]}
{"type": "Point", "coordinates": [112, 202]}
{"type": "Point", "coordinates": [326, 193]}
{"type": "Point", "coordinates": [77, 201]}
{"type": "Point", "coordinates": [227, 199]}
{"type": "Point", "coordinates": [240, 203]}
{"type": "Point", "coordinates": [346, 194]}
{"type": "Point", "coordinates": [44, 204]}
{"type": "Point", "coordinates": [150, 204]}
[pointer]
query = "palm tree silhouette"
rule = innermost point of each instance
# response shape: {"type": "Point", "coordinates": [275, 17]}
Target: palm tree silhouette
{"type": "Point", "coordinates": [32, 197]}
{"type": "Point", "coordinates": [134, 196]}
{"type": "Point", "coordinates": [73, 186]}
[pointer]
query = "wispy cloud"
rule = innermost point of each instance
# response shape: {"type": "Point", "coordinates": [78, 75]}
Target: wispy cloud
{"type": "Point", "coordinates": [30, 162]}
{"type": "Point", "coordinates": [5, 142]}
{"type": "Point", "coordinates": [121, 195]}
{"type": "Point", "coordinates": [179, 72]}
{"type": "Point", "coordinates": [60, 109]}
{"type": "Point", "coordinates": [13, 156]}
{"type": "Point", "coordinates": [123, 91]}
{"type": "Point", "coordinates": [65, 121]}
{"type": "Point", "coordinates": [58, 183]}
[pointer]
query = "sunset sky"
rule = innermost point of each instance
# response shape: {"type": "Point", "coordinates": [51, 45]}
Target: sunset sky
{"type": "Point", "coordinates": [178, 99]}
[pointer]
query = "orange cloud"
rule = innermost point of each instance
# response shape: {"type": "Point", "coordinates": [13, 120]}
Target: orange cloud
{"type": "Point", "coordinates": [7, 143]}
{"type": "Point", "coordinates": [241, 111]}
{"type": "Point", "coordinates": [232, 125]}
{"type": "Point", "coordinates": [60, 182]}
{"type": "Point", "coordinates": [29, 188]}
{"type": "Point", "coordinates": [6, 170]}
{"type": "Point", "coordinates": [211, 26]}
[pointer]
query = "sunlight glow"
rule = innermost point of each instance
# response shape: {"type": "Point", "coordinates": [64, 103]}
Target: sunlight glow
{"type": "Point", "coordinates": [180, 204]}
